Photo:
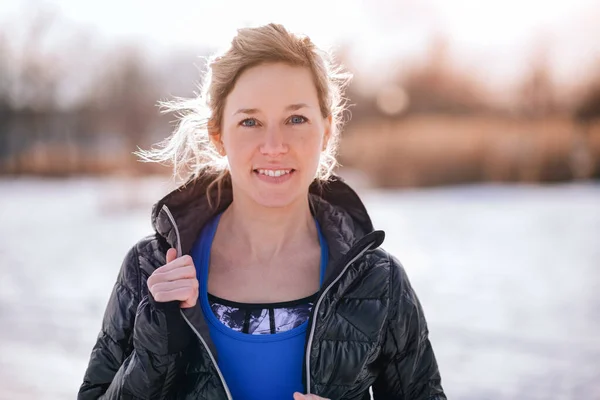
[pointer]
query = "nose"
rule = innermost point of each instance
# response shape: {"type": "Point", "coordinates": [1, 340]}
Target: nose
{"type": "Point", "coordinates": [274, 142]}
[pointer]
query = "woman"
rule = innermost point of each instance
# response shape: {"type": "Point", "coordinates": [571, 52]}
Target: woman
{"type": "Point", "coordinates": [263, 279]}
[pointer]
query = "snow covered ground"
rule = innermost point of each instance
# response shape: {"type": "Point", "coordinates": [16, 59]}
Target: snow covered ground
{"type": "Point", "coordinates": [509, 277]}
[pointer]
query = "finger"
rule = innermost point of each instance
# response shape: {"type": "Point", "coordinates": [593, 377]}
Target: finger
{"type": "Point", "coordinates": [171, 255]}
{"type": "Point", "coordinates": [173, 285]}
{"type": "Point", "coordinates": [180, 294]}
{"type": "Point", "coordinates": [176, 263]}
{"type": "Point", "coordinates": [299, 396]}
{"type": "Point", "coordinates": [185, 272]}
{"type": "Point", "coordinates": [191, 302]}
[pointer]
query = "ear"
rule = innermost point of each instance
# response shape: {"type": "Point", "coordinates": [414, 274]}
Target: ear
{"type": "Point", "coordinates": [327, 134]}
{"type": "Point", "coordinates": [215, 140]}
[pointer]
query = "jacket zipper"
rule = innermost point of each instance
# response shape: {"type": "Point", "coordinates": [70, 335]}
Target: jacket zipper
{"type": "Point", "coordinates": [316, 309]}
{"type": "Point", "coordinates": [212, 358]}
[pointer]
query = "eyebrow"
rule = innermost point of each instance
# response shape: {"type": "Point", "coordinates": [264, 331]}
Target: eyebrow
{"type": "Point", "coordinates": [291, 107]}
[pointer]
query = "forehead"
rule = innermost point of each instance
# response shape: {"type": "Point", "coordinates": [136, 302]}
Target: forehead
{"type": "Point", "coordinates": [273, 86]}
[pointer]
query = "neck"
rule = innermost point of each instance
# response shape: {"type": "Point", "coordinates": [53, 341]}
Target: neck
{"type": "Point", "coordinates": [263, 233]}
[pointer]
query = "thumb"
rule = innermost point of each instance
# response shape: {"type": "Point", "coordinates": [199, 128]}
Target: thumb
{"type": "Point", "coordinates": [171, 255]}
{"type": "Point", "coordinates": [299, 396]}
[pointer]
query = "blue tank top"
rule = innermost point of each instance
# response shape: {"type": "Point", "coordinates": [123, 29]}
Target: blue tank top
{"type": "Point", "coordinates": [264, 367]}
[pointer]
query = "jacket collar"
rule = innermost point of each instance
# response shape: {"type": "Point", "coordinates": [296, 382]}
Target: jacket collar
{"type": "Point", "coordinates": [342, 215]}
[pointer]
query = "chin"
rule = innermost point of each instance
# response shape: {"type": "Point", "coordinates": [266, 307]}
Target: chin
{"type": "Point", "coordinates": [269, 199]}
{"type": "Point", "coordinates": [279, 197]}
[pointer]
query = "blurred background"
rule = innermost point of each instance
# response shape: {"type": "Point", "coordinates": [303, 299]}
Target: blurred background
{"type": "Point", "coordinates": [473, 138]}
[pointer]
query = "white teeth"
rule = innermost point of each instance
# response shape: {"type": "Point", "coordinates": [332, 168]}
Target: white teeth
{"type": "Point", "coordinates": [270, 172]}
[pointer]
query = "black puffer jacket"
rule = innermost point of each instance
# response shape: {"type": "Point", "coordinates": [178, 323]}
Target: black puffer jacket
{"type": "Point", "coordinates": [367, 328]}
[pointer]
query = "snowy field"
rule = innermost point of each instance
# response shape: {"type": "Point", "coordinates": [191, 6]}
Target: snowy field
{"type": "Point", "coordinates": [509, 277]}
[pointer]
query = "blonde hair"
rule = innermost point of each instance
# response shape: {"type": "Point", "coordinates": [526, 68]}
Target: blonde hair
{"type": "Point", "coordinates": [189, 149]}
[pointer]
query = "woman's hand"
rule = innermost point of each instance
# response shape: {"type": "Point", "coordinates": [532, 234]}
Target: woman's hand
{"type": "Point", "coordinates": [176, 280]}
{"type": "Point", "coordinates": [300, 396]}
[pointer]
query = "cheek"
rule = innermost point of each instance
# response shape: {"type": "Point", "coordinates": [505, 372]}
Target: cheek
{"type": "Point", "coordinates": [311, 141]}
{"type": "Point", "coordinates": [237, 147]}
{"type": "Point", "coordinates": [308, 149]}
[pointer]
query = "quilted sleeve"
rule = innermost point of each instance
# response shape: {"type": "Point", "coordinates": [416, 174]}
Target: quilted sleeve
{"type": "Point", "coordinates": [409, 370]}
{"type": "Point", "coordinates": [132, 357]}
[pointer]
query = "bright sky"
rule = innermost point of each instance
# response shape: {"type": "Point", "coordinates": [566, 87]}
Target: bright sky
{"type": "Point", "coordinates": [490, 37]}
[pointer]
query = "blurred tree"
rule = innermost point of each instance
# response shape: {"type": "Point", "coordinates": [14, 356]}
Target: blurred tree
{"type": "Point", "coordinates": [588, 108]}
{"type": "Point", "coordinates": [436, 87]}
{"type": "Point", "coordinates": [430, 87]}
{"type": "Point", "coordinates": [4, 101]}
{"type": "Point", "coordinates": [28, 82]}
{"type": "Point", "coordinates": [587, 114]}
{"type": "Point", "coordinates": [536, 95]}
{"type": "Point", "coordinates": [36, 81]}
{"type": "Point", "coordinates": [123, 99]}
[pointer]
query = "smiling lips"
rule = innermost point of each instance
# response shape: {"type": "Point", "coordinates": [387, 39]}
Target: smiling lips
{"type": "Point", "coordinates": [273, 172]}
{"type": "Point", "coordinates": [274, 176]}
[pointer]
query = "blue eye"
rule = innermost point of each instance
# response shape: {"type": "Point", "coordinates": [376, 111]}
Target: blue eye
{"type": "Point", "coordinates": [297, 119]}
{"type": "Point", "coordinates": [248, 122]}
